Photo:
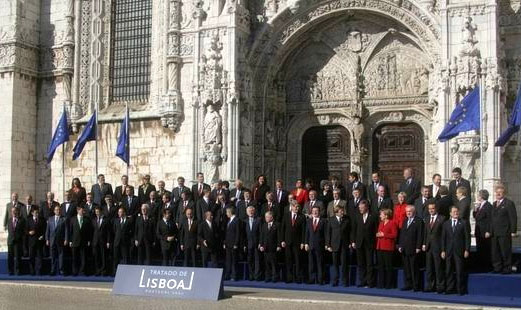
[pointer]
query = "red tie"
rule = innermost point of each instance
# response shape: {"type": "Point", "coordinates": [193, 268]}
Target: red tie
{"type": "Point", "coordinates": [315, 225]}
{"type": "Point", "coordinates": [293, 220]}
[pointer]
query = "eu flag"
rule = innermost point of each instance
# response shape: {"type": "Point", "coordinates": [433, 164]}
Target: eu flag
{"type": "Point", "coordinates": [89, 134]}
{"type": "Point", "coordinates": [123, 148]}
{"type": "Point", "coordinates": [465, 117]}
{"type": "Point", "coordinates": [513, 123]}
{"type": "Point", "coordinates": [61, 135]}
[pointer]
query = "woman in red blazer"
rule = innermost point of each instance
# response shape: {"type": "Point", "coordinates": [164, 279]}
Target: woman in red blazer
{"type": "Point", "coordinates": [399, 209]}
{"type": "Point", "coordinates": [385, 246]}
{"type": "Point", "coordinates": [300, 194]}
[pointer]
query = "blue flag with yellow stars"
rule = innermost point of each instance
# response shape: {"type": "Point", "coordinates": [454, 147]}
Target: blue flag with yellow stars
{"type": "Point", "coordinates": [513, 123]}
{"type": "Point", "coordinates": [61, 135]}
{"type": "Point", "coordinates": [465, 117]}
{"type": "Point", "coordinates": [89, 134]}
{"type": "Point", "coordinates": [123, 148]}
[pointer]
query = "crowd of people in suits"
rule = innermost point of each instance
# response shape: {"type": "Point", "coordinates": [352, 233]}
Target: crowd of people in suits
{"type": "Point", "coordinates": [92, 232]}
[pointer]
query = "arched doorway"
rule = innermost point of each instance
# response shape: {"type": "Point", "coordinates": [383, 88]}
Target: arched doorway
{"type": "Point", "coordinates": [395, 147]}
{"type": "Point", "coordinates": [325, 153]}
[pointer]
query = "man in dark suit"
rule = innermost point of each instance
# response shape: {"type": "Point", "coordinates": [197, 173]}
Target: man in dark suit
{"type": "Point", "coordinates": [237, 194]}
{"type": "Point", "coordinates": [503, 228]}
{"type": "Point", "coordinates": [352, 204]}
{"type": "Point", "coordinates": [122, 231]}
{"type": "Point", "coordinates": [110, 209]}
{"type": "Point", "coordinates": [372, 192]}
{"type": "Point", "coordinates": [252, 225]}
{"type": "Point", "coordinates": [242, 205]}
{"type": "Point", "coordinates": [434, 188]}
{"type": "Point", "coordinates": [145, 235]}
{"type": "Point", "coordinates": [337, 242]}
{"type": "Point", "coordinates": [455, 249]}
{"type": "Point", "coordinates": [219, 212]}
{"type": "Point", "coordinates": [463, 202]}
{"type": "Point", "coordinates": [444, 204]}
{"type": "Point", "coordinates": [161, 190]}
{"type": "Point", "coordinates": [16, 226]}
{"type": "Point", "coordinates": [312, 202]}
{"type": "Point", "coordinates": [89, 206]}
{"type": "Point", "coordinates": [121, 190]}
{"type": "Point", "coordinates": [269, 244]}
{"type": "Point", "coordinates": [363, 239]}
{"type": "Point", "coordinates": [231, 243]}
{"type": "Point", "coordinates": [26, 212]}
{"type": "Point", "coordinates": [355, 183]}
{"type": "Point", "coordinates": [145, 189]}
{"type": "Point", "coordinates": [36, 226]}
{"type": "Point", "coordinates": [176, 191]}
{"type": "Point", "coordinates": [208, 237]}
{"type": "Point", "coordinates": [47, 206]}
{"type": "Point", "coordinates": [421, 203]}
{"type": "Point", "coordinates": [101, 237]}
{"type": "Point", "coordinates": [204, 204]}
{"type": "Point", "coordinates": [483, 214]}
{"type": "Point", "coordinates": [381, 202]}
{"type": "Point", "coordinates": [218, 190]}
{"type": "Point", "coordinates": [336, 184]}
{"type": "Point", "coordinates": [411, 186]}
{"type": "Point", "coordinates": [80, 235]}
{"type": "Point", "coordinates": [55, 236]}
{"type": "Point", "coordinates": [314, 244]}
{"type": "Point", "coordinates": [410, 245]}
{"type": "Point", "coordinates": [271, 205]}
{"type": "Point", "coordinates": [184, 204]}
{"type": "Point", "coordinates": [100, 190]}
{"type": "Point", "coordinates": [432, 248]}
{"type": "Point", "coordinates": [458, 181]}
{"type": "Point", "coordinates": [68, 208]}
{"type": "Point", "coordinates": [167, 232]}
{"type": "Point", "coordinates": [188, 237]}
{"type": "Point", "coordinates": [293, 229]}
{"type": "Point", "coordinates": [336, 202]}
{"type": "Point", "coordinates": [197, 189]}
{"type": "Point", "coordinates": [130, 202]}
{"type": "Point", "coordinates": [281, 197]}
{"type": "Point", "coordinates": [13, 203]}
{"type": "Point", "coordinates": [157, 206]}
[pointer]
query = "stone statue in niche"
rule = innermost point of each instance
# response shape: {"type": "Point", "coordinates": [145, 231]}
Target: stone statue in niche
{"type": "Point", "coordinates": [246, 130]}
{"type": "Point", "coordinates": [358, 133]}
{"type": "Point", "coordinates": [469, 41]}
{"type": "Point", "coordinates": [270, 133]}
{"type": "Point", "coordinates": [212, 126]}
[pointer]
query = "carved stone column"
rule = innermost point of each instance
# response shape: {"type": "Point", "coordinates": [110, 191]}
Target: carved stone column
{"type": "Point", "coordinates": [67, 66]}
{"type": "Point", "coordinates": [171, 109]}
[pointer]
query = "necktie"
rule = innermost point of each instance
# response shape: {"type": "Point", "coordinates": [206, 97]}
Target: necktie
{"type": "Point", "coordinates": [15, 221]}
{"type": "Point", "coordinates": [453, 225]}
{"type": "Point", "coordinates": [185, 203]}
{"type": "Point", "coordinates": [293, 219]}
{"type": "Point", "coordinates": [279, 192]}
{"type": "Point", "coordinates": [200, 189]}
{"type": "Point", "coordinates": [269, 226]}
{"type": "Point", "coordinates": [99, 221]}
{"type": "Point", "coordinates": [55, 222]}
{"type": "Point", "coordinates": [432, 221]}
{"type": "Point", "coordinates": [251, 223]}
{"type": "Point", "coordinates": [315, 224]}
{"type": "Point", "coordinates": [376, 187]}
{"type": "Point", "coordinates": [189, 225]}
{"type": "Point", "coordinates": [312, 203]}
{"type": "Point", "coordinates": [379, 202]}
{"type": "Point", "coordinates": [129, 201]}
{"type": "Point", "coordinates": [409, 221]}
{"type": "Point", "coordinates": [80, 221]}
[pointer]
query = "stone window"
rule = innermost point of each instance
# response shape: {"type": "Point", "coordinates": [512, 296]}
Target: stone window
{"type": "Point", "coordinates": [130, 50]}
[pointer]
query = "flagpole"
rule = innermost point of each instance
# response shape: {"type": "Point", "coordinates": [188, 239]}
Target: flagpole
{"type": "Point", "coordinates": [96, 143]}
{"type": "Point", "coordinates": [63, 158]}
{"type": "Point", "coordinates": [481, 129]}
{"type": "Point", "coordinates": [127, 129]}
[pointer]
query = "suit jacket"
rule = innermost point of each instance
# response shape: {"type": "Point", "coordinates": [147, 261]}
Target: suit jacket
{"type": "Point", "coordinates": [359, 185]}
{"type": "Point", "coordinates": [352, 207]}
{"type": "Point", "coordinates": [188, 235]}
{"type": "Point", "coordinates": [253, 233]}
{"type": "Point", "coordinates": [144, 192]}
{"type": "Point", "coordinates": [316, 238]}
{"type": "Point", "coordinates": [259, 193]}
{"type": "Point", "coordinates": [25, 210]}
{"type": "Point", "coordinates": [326, 197]}
{"type": "Point", "coordinates": [293, 233]}
{"type": "Point", "coordinates": [432, 236]}
{"type": "Point", "coordinates": [145, 231]}
{"type": "Point", "coordinates": [134, 207]}
{"type": "Point", "coordinates": [232, 233]}
{"type": "Point", "coordinates": [176, 192]}
{"type": "Point", "coordinates": [46, 209]}
{"type": "Point", "coordinates": [343, 194]}
{"type": "Point", "coordinates": [331, 207]}
{"type": "Point", "coordinates": [90, 209]}
{"type": "Point", "coordinates": [455, 241]}
{"type": "Point", "coordinates": [443, 206]}
{"type": "Point", "coordinates": [99, 193]}
{"type": "Point", "coordinates": [160, 193]}
{"type": "Point", "coordinates": [122, 232]}
{"type": "Point", "coordinates": [101, 234]}
{"type": "Point", "coordinates": [165, 230]}
{"type": "Point", "coordinates": [55, 232]}
{"type": "Point", "coordinates": [215, 193]}
{"type": "Point", "coordinates": [195, 191]}
{"type": "Point", "coordinates": [483, 217]}
{"type": "Point", "coordinates": [338, 233]}
{"type": "Point", "coordinates": [386, 203]}
{"type": "Point", "coordinates": [201, 207]}
{"type": "Point", "coordinates": [269, 239]}
{"type": "Point", "coordinates": [68, 212]}
{"type": "Point", "coordinates": [119, 193]}
{"type": "Point", "coordinates": [111, 211]}
{"type": "Point", "coordinates": [371, 191]}
{"type": "Point", "coordinates": [237, 194]}
{"type": "Point", "coordinates": [181, 210]}
{"type": "Point", "coordinates": [462, 183]}
{"type": "Point", "coordinates": [8, 207]}
{"type": "Point", "coordinates": [412, 189]}
{"type": "Point", "coordinates": [210, 234]}
{"type": "Point", "coordinates": [79, 236]}
{"type": "Point", "coordinates": [411, 238]}
{"type": "Point", "coordinates": [421, 207]}
{"type": "Point", "coordinates": [364, 234]}
{"type": "Point", "coordinates": [464, 208]}
{"type": "Point", "coordinates": [504, 218]}
{"type": "Point", "coordinates": [283, 199]}
{"type": "Point", "coordinates": [39, 226]}
{"type": "Point", "coordinates": [241, 207]}
{"type": "Point", "coordinates": [275, 209]}
{"type": "Point", "coordinates": [307, 208]}
{"type": "Point", "coordinates": [437, 196]}
{"type": "Point", "coordinates": [15, 235]}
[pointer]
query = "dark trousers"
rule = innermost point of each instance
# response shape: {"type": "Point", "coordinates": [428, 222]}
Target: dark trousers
{"type": "Point", "coordinates": [502, 253]}
{"type": "Point", "coordinates": [455, 273]}
{"type": "Point", "coordinates": [189, 256]}
{"type": "Point", "coordinates": [385, 269]}
{"type": "Point", "coordinates": [78, 259]}
{"type": "Point", "coordinates": [14, 258]}
{"type": "Point", "coordinates": [315, 265]}
{"type": "Point", "coordinates": [411, 271]}
{"type": "Point", "coordinates": [121, 252]}
{"type": "Point", "coordinates": [254, 269]}
{"type": "Point", "coordinates": [292, 255]}
{"type": "Point", "coordinates": [483, 247]}
{"type": "Point", "coordinates": [144, 252]}
{"type": "Point", "coordinates": [365, 261]}
{"type": "Point", "coordinates": [99, 251]}
{"type": "Point", "coordinates": [340, 260]}
{"type": "Point", "coordinates": [209, 255]}
{"type": "Point", "coordinates": [35, 258]}
{"type": "Point", "coordinates": [230, 267]}
{"type": "Point", "coordinates": [434, 271]}
{"type": "Point", "coordinates": [270, 259]}
{"type": "Point", "coordinates": [168, 253]}
{"type": "Point", "coordinates": [56, 251]}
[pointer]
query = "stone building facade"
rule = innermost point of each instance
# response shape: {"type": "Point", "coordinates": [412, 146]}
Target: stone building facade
{"type": "Point", "coordinates": [237, 88]}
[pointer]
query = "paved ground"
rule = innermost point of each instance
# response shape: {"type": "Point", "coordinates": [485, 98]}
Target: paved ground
{"type": "Point", "coordinates": [84, 295]}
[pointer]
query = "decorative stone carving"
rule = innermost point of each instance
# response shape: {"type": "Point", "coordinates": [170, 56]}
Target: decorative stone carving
{"type": "Point", "coordinates": [393, 117]}
{"type": "Point", "coordinates": [465, 150]}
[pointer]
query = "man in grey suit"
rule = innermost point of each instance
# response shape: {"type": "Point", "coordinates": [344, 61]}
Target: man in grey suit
{"type": "Point", "coordinates": [55, 240]}
{"type": "Point", "coordinates": [337, 201]}
{"type": "Point", "coordinates": [13, 203]}
{"type": "Point", "coordinates": [100, 190]}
